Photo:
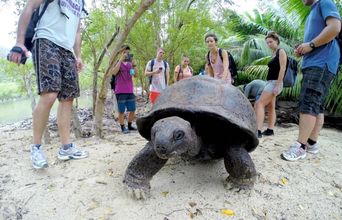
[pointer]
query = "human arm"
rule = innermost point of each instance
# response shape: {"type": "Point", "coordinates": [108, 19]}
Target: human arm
{"type": "Point", "coordinates": [148, 71]}
{"type": "Point", "coordinates": [331, 16]}
{"type": "Point", "coordinates": [114, 70]}
{"type": "Point", "coordinates": [77, 49]}
{"type": "Point", "coordinates": [226, 72]}
{"type": "Point", "coordinates": [281, 74]}
{"type": "Point", "coordinates": [167, 75]}
{"type": "Point", "coordinates": [176, 73]}
{"type": "Point", "coordinates": [23, 23]}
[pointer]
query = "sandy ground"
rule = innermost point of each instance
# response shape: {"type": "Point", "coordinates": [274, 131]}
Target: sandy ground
{"type": "Point", "coordinates": [92, 188]}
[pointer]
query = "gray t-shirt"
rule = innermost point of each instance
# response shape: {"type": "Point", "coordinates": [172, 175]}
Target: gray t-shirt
{"type": "Point", "coordinates": [158, 80]}
{"type": "Point", "coordinates": [60, 28]}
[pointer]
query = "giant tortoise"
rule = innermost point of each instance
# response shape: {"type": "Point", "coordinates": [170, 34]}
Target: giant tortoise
{"type": "Point", "coordinates": [202, 118]}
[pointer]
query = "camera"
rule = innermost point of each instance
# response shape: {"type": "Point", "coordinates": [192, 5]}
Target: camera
{"type": "Point", "coordinates": [160, 68]}
{"type": "Point", "coordinates": [16, 49]}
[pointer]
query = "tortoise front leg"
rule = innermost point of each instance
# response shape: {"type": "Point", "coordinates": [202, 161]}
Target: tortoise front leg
{"type": "Point", "coordinates": [141, 170]}
{"type": "Point", "coordinates": [241, 169]}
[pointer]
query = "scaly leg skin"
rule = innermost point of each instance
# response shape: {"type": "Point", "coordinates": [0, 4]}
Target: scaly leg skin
{"type": "Point", "coordinates": [241, 169]}
{"type": "Point", "coordinates": [141, 170]}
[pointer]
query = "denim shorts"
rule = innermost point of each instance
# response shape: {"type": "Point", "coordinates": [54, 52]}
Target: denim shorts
{"type": "Point", "coordinates": [270, 85]}
{"type": "Point", "coordinates": [315, 87]}
{"type": "Point", "coordinates": [126, 101]}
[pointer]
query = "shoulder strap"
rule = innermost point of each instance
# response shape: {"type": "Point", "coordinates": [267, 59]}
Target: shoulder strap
{"type": "Point", "coordinates": [152, 64]}
{"type": "Point", "coordinates": [179, 71]}
{"type": "Point", "coordinates": [83, 8]}
{"type": "Point", "coordinates": [208, 57]}
{"type": "Point", "coordinates": [46, 4]}
{"type": "Point", "coordinates": [220, 54]}
{"type": "Point", "coordinates": [165, 66]}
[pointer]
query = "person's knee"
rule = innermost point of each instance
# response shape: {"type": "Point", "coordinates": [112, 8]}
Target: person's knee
{"type": "Point", "coordinates": [48, 99]}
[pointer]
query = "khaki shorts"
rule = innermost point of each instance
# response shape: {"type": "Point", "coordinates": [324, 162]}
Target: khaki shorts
{"type": "Point", "coordinates": [56, 70]}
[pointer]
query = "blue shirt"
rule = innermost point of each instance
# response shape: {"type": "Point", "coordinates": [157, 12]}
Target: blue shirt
{"type": "Point", "coordinates": [328, 54]}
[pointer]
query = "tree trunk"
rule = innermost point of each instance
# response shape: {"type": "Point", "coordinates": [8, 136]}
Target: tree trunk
{"type": "Point", "coordinates": [144, 5]}
{"type": "Point", "coordinates": [28, 87]}
{"type": "Point", "coordinates": [97, 64]}
{"type": "Point", "coordinates": [76, 123]}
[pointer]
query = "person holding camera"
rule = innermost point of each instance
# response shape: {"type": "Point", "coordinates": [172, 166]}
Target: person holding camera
{"type": "Point", "coordinates": [158, 71]}
{"type": "Point", "coordinates": [57, 61]}
{"type": "Point", "coordinates": [123, 71]}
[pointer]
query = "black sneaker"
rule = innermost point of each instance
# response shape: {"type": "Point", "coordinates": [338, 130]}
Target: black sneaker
{"type": "Point", "coordinates": [268, 132]}
{"type": "Point", "coordinates": [259, 134]}
{"type": "Point", "coordinates": [130, 127]}
{"type": "Point", "coordinates": [124, 130]}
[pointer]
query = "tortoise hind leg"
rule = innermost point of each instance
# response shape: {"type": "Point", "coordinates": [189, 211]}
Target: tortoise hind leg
{"type": "Point", "coordinates": [141, 170]}
{"type": "Point", "coordinates": [241, 169]}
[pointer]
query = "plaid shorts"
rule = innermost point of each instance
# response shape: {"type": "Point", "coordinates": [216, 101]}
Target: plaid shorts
{"type": "Point", "coordinates": [56, 70]}
{"type": "Point", "coordinates": [315, 87]}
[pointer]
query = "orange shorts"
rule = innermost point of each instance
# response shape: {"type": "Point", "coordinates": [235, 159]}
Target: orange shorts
{"type": "Point", "coordinates": [153, 97]}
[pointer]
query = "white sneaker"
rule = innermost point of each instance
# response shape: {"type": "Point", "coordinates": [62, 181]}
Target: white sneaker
{"type": "Point", "coordinates": [37, 157]}
{"type": "Point", "coordinates": [72, 153]}
{"type": "Point", "coordinates": [312, 149]}
{"type": "Point", "coordinates": [295, 152]}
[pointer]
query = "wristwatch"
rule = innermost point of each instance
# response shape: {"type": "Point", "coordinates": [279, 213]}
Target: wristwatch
{"type": "Point", "coordinates": [312, 45]}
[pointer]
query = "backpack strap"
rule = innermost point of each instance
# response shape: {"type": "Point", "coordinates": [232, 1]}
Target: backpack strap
{"type": "Point", "coordinates": [165, 66]}
{"type": "Point", "coordinates": [208, 58]}
{"type": "Point", "coordinates": [152, 64]}
{"type": "Point", "coordinates": [46, 4]}
{"type": "Point", "coordinates": [220, 54]}
{"type": "Point", "coordinates": [180, 71]}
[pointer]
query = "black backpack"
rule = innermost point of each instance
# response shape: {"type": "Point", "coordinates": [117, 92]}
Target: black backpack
{"type": "Point", "coordinates": [291, 72]}
{"type": "Point", "coordinates": [36, 16]}
{"type": "Point", "coordinates": [232, 65]}
{"type": "Point", "coordinates": [165, 67]}
{"type": "Point", "coordinates": [112, 83]}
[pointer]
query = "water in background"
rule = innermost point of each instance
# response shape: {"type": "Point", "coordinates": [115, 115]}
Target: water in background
{"type": "Point", "coordinates": [18, 110]}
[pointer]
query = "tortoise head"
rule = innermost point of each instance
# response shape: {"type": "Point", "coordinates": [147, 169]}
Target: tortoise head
{"type": "Point", "coordinates": [173, 136]}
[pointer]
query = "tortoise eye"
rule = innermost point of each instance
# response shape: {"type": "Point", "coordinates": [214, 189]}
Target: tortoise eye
{"type": "Point", "coordinates": [178, 135]}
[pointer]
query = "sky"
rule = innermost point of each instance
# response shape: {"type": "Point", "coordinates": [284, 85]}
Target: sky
{"type": "Point", "coordinates": [8, 20]}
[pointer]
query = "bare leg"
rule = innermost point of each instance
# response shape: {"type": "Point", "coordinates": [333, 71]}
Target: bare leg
{"type": "Point", "coordinates": [265, 99]}
{"type": "Point", "coordinates": [131, 116]}
{"type": "Point", "coordinates": [241, 169]}
{"type": "Point", "coordinates": [41, 115]}
{"type": "Point", "coordinates": [306, 126]}
{"type": "Point", "coordinates": [318, 127]}
{"type": "Point", "coordinates": [272, 115]}
{"type": "Point", "coordinates": [121, 118]}
{"type": "Point", "coordinates": [64, 120]}
{"type": "Point", "coordinates": [141, 170]}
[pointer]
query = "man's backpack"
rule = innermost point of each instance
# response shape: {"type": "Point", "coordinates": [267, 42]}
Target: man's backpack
{"type": "Point", "coordinates": [36, 16]}
{"type": "Point", "coordinates": [232, 65]}
{"type": "Point", "coordinates": [290, 73]}
{"type": "Point", "coordinates": [112, 83]}
{"type": "Point", "coordinates": [181, 71]}
{"type": "Point", "coordinates": [151, 70]}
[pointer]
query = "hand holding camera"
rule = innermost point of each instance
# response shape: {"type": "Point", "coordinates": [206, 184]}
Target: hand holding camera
{"type": "Point", "coordinates": [17, 55]}
{"type": "Point", "coordinates": [160, 70]}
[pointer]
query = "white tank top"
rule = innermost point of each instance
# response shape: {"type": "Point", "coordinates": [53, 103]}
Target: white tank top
{"type": "Point", "coordinates": [59, 28]}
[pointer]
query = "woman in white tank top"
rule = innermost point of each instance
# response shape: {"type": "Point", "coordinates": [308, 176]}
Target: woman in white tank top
{"type": "Point", "coordinates": [217, 67]}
